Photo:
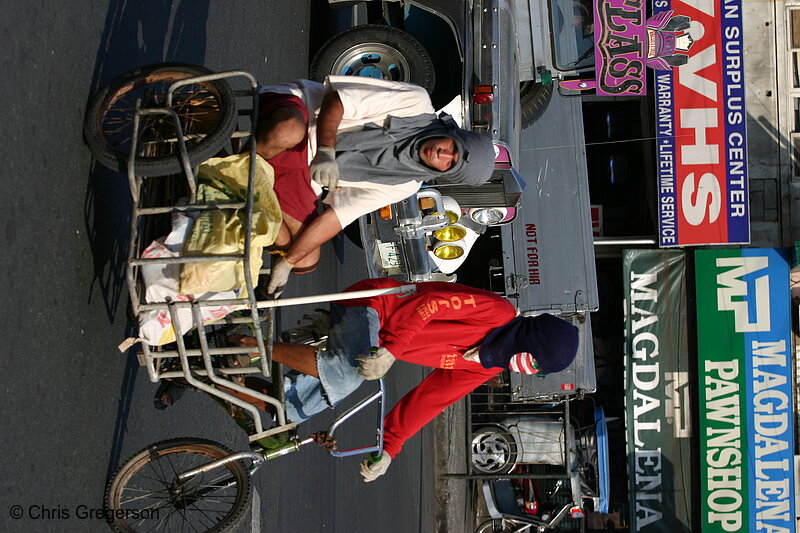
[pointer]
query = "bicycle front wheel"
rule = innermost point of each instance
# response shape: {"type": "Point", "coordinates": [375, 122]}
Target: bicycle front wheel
{"type": "Point", "coordinates": [144, 496]}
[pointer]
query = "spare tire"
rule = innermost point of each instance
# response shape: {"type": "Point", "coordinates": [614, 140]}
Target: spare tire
{"type": "Point", "coordinates": [375, 51]}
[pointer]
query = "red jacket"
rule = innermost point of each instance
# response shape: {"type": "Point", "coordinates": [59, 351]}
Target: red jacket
{"type": "Point", "coordinates": [433, 327]}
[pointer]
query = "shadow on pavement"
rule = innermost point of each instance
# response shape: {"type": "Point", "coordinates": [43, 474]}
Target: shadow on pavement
{"type": "Point", "coordinates": [135, 34]}
{"type": "Point", "coordinates": [123, 409]}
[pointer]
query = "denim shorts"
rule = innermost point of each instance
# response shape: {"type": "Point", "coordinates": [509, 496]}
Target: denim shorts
{"type": "Point", "coordinates": [354, 330]}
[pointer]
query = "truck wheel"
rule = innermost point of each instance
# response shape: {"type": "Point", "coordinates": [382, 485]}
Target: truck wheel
{"type": "Point", "coordinates": [533, 100]}
{"type": "Point", "coordinates": [375, 51]}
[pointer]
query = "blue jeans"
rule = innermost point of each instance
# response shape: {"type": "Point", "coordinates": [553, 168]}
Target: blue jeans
{"type": "Point", "coordinates": [354, 330]}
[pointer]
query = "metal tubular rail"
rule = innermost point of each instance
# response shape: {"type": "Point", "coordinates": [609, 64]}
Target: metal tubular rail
{"type": "Point", "coordinates": [265, 356]}
{"type": "Point", "coordinates": [150, 358]}
{"type": "Point", "coordinates": [378, 395]}
{"type": "Point", "coordinates": [286, 302]}
{"type": "Point", "coordinates": [251, 409]}
{"type": "Point", "coordinates": [256, 457]}
{"type": "Point", "coordinates": [279, 410]}
{"type": "Point", "coordinates": [134, 262]}
{"type": "Point", "coordinates": [191, 180]}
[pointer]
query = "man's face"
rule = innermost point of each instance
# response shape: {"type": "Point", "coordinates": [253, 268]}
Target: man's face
{"type": "Point", "coordinates": [439, 153]}
{"type": "Point", "coordinates": [525, 363]}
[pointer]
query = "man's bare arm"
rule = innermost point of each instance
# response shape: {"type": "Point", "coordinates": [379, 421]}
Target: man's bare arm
{"type": "Point", "coordinates": [330, 116]}
{"type": "Point", "coordinates": [321, 230]}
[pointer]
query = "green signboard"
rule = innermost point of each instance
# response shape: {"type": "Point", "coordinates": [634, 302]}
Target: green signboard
{"type": "Point", "coordinates": [658, 409]}
{"type": "Point", "coordinates": [745, 387]}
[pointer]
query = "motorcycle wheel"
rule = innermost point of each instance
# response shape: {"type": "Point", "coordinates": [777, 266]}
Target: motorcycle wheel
{"type": "Point", "coordinates": [493, 450]}
{"type": "Point", "coordinates": [206, 111]}
{"type": "Point", "coordinates": [142, 495]}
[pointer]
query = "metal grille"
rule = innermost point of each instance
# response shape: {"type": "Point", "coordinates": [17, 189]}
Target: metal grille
{"type": "Point", "coordinates": [487, 195]}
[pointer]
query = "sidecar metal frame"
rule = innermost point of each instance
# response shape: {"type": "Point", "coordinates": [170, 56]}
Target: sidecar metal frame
{"type": "Point", "coordinates": [199, 366]}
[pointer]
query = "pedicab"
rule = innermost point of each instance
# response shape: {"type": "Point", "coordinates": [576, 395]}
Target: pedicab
{"type": "Point", "coordinates": [199, 222]}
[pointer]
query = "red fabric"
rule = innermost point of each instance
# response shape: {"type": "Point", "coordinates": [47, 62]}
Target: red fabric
{"type": "Point", "coordinates": [292, 180]}
{"type": "Point", "coordinates": [433, 327]}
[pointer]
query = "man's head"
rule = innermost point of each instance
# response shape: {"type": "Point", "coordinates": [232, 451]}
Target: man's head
{"type": "Point", "coordinates": [439, 153]}
{"type": "Point", "coordinates": [420, 148]}
{"type": "Point", "coordinates": [460, 156]}
{"type": "Point", "coordinates": [541, 344]}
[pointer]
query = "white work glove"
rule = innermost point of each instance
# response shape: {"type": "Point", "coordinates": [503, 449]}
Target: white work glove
{"type": "Point", "coordinates": [324, 169]}
{"type": "Point", "coordinates": [279, 275]}
{"type": "Point", "coordinates": [372, 469]}
{"type": "Point", "coordinates": [376, 365]}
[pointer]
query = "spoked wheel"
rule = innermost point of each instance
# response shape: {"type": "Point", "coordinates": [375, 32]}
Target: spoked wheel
{"type": "Point", "coordinates": [206, 110]}
{"type": "Point", "coordinates": [144, 495]}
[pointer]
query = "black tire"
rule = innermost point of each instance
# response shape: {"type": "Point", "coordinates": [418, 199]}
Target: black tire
{"type": "Point", "coordinates": [109, 119]}
{"type": "Point", "coordinates": [493, 450]}
{"type": "Point", "coordinates": [533, 100]}
{"type": "Point", "coordinates": [374, 50]}
{"type": "Point", "coordinates": [155, 505]}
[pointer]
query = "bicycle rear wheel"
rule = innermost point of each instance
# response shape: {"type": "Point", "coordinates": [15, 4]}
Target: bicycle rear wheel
{"type": "Point", "coordinates": [206, 110]}
{"type": "Point", "coordinates": [143, 495]}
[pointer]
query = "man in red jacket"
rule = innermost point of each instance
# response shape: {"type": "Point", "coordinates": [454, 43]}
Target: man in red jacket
{"type": "Point", "coordinates": [468, 335]}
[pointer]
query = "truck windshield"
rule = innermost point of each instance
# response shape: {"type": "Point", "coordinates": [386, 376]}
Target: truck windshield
{"type": "Point", "coordinates": [573, 33]}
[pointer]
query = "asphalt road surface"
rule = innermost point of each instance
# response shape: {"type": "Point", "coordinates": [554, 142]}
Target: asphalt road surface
{"type": "Point", "coordinates": [74, 407]}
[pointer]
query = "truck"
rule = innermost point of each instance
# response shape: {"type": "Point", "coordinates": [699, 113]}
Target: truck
{"type": "Point", "coordinates": [536, 248]}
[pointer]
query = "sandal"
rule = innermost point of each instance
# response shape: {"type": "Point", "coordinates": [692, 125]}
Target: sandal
{"type": "Point", "coordinates": [167, 394]}
{"type": "Point", "coordinates": [243, 360]}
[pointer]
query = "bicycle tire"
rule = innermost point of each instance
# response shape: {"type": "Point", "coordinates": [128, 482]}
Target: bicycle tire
{"type": "Point", "coordinates": [109, 119]}
{"type": "Point", "coordinates": [161, 508]}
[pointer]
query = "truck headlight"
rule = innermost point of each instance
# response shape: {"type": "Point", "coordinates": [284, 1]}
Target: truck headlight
{"type": "Point", "coordinates": [488, 216]}
{"type": "Point", "coordinates": [450, 233]}
{"type": "Point", "coordinates": [448, 250]}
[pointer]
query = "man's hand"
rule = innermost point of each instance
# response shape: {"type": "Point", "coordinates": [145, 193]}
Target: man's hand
{"type": "Point", "coordinates": [278, 277]}
{"type": "Point", "coordinates": [372, 469]}
{"type": "Point", "coordinates": [324, 169]}
{"type": "Point", "coordinates": [375, 366]}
